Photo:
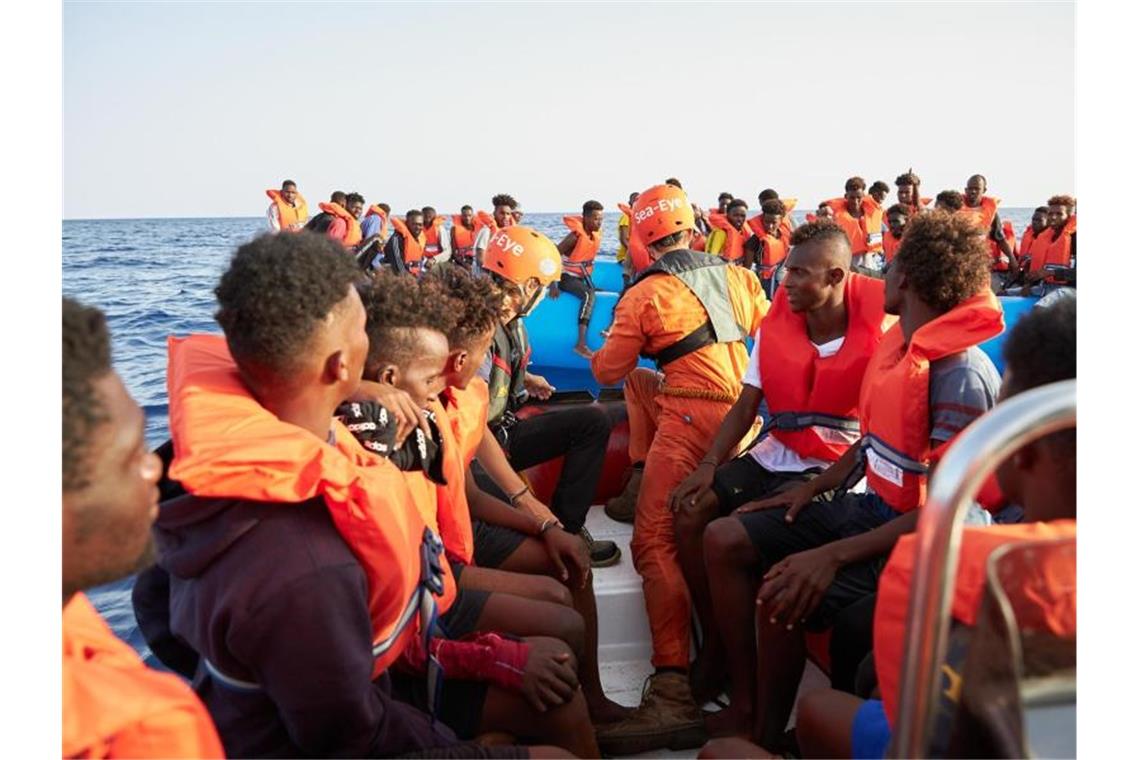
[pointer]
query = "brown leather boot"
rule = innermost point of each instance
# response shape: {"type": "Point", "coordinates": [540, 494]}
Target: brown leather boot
{"type": "Point", "coordinates": [621, 508]}
{"type": "Point", "coordinates": [668, 718]}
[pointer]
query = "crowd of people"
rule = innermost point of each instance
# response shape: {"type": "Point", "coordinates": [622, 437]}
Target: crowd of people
{"type": "Point", "coordinates": [345, 561]}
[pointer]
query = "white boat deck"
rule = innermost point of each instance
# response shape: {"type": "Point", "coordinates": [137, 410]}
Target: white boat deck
{"type": "Point", "coordinates": [624, 644]}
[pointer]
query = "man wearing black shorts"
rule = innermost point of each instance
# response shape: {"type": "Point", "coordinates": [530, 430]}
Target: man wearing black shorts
{"type": "Point", "coordinates": [811, 352]}
{"type": "Point", "coordinates": [925, 381]}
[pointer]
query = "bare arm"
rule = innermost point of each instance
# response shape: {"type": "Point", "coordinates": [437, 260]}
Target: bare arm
{"type": "Point", "coordinates": [567, 244]}
{"type": "Point", "coordinates": [490, 510]}
{"type": "Point", "coordinates": [494, 461]}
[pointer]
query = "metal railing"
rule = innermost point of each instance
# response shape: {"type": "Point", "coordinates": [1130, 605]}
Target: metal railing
{"type": "Point", "coordinates": [959, 477]}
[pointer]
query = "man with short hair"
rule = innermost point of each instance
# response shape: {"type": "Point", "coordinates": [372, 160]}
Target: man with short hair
{"type": "Point", "coordinates": [879, 191]}
{"type": "Point", "coordinates": [502, 206]}
{"type": "Point", "coordinates": [437, 241]}
{"type": "Point", "coordinates": [404, 251]}
{"type": "Point", "coordinates": [807, 362]}
{"type": "Point", "coordinates": [464, 231]}
{"type": "Point", "coordinates": [862, 219]}
{"type": "Point", "coordinates": [818, 551]}
{"type": "Point", "coordinates": [691, 313]}
{"type": "Point", "coordinates": [113, 705]}
{"type": "Point", "coordinates": [1053, 256]}
{"type": "Point", "coordinates": [578, 250]}
{"type": "Point", "coordinates": [730, 232]}
{"type": "Point", "coordinates": [294, 565]}
{"type": "Point", "coordinates": [950, 201]}
{"type": "Point", "coordinates": [768, 247]}
{"type": "Point", "coordinates": [339, 218]}
{"type": "Point", "coordinates": [909, 193]}
{"type": "Point", "coordinates": [288, 209]}
{"type": "Point", "coordinates": [897, 218]}
{"type": "Point", "coordinates": [982, 209]}
{"type": "Point", "coordinates": [722, 202]}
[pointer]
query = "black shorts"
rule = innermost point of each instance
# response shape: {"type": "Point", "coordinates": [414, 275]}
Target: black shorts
{"type": "Point", "coordinates": [494, 543]}
{"type": "Point", "coordinates": [464, 614]}
{"type": "Point", "coordinates": [460, 704]}
{"type": "Point", "coordinates": [822, 522]}
{"type": "Point", "coordinates": [743, 479]}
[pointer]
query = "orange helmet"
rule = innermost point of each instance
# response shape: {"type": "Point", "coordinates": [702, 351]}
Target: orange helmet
{"type": "Point", "coordinates": [518, 253]}
{"type": "Point", "coordinates": [660, 211]}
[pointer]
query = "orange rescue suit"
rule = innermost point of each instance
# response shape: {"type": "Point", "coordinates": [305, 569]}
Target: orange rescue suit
{"type": "Point", "coordinates": [580, 262]}
{"type": "Point", "coordinates": [292, 218]}
{"type": "Point", "coordinates": [679, 420]}
{"type": "Point", "coordinates": [227, 445]}
{"type": "Point", "coordinates": [115, 706]}
{"type": "Point", "coordinates": [1053, 591]}
{"type": "Point", "coordinates": [864, 233]}
{"type": "Point", "coordinates": [413, 246]}
{"type": "Point", "coordinates": [894, 402]}
{"type": "Point", "coordinates": [808, 395]}
{"type": "Point", "coordinates": [353, 235]}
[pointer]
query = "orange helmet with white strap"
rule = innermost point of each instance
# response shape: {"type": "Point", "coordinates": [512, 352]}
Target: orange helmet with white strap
{"type": "Point", "coordinates": [660, 211]}
{"type": "Point", "coordinates": [518, 253]}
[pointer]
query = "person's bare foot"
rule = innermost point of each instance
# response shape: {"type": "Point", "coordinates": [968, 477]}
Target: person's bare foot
{"type": "Point", "coordinates": [729, 722]}
{"type": "Point", "coordinates": [706, 676]}
{"type": "Point", "coordinates": [608, 711]}
{"type": "Point", "coordinates": [583, 351]}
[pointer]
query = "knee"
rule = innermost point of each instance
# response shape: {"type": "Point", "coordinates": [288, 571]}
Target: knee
{"type": "Point", "coordinates": [595, 422]}
{"type": "Point", "coordinates": [552, 590]}
{"type": "Point", "coordinates": [691, 521]}
{"type": "Point", "coordinates": [726, 542]}
{"type": "Point", "coordinates": [569, 626]}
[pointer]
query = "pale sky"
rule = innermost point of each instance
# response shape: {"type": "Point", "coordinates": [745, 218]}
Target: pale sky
{"type": "Point", "coordinates": [195, 109]}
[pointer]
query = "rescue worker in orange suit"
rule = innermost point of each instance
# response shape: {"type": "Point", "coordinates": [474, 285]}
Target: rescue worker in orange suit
{"type": "Point", "coordinates": [578, 250]}
{"type": "Point", "coordinates": [113, 705]}
{"type": "Point", "coordinates": [1041, 477]}
{"type": "Point", "coordinates": [862, 219]}
{"type": "Point", "coordinates": [404, 251]}
{"type": "Point", "coordinates": [288, 210]}
{"type": "Point", "coordinates": [1053, 256]}
{"type": "Point", "coordinates": [983, 209]}
{"type": "Point", "coordinates": [523, 263]}
{"type": "Point", "coordinates": [818, 549]}
{"type": "Point", "coordinates": [730, 232]}
{"type": "Point", "coordinates": [690, 313]}
{"type": "Point", "coordinates": [807, 361]}
{"type": "Point", "coordinates": [766, 251]}
{"type": "Point", "coordinates": [295, 567]}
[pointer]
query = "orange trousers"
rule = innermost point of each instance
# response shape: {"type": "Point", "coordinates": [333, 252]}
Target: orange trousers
{"type": "Point", "coordinates": [670, 434]}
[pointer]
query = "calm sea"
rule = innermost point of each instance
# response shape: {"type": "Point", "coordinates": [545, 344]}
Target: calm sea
{"type": "Point", "coordinates": [154, 278]}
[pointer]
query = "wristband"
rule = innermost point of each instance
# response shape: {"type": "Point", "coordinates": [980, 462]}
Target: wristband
{"type": "Point", "coordinates": [515, 497]}
{"type": "Point", "coordinates": [546, 525]}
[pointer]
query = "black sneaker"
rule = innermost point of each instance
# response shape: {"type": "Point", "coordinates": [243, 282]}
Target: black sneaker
{"type": "Point", "coordinates": [602, 553]}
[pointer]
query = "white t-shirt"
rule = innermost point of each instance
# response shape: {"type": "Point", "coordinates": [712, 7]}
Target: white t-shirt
{"type": "Point", "coordinates": [770, 453]}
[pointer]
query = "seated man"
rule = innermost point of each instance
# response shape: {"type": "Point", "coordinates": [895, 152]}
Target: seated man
{"type": "Point", "coordinates": [287, 210]}
{"type": "Point", "coordinates": [808, 360]}
{"type": "Point", "coordinates": [408, 326]}
{"type": "Point", "coordinates": [730, 232]}
{"type": "Point", "coordinates": [861, 217]}
{"type": "Point", "coordinates": [404, 251]}
{"type": "Point", "coordinates": [1052, 259]}
{"type": "Point", "coordinates": [339, 218]}
{"type": "Point", "coordinates": [579, 249]}
{"type": "Point", "coordinates": [1042, 477]}
{"type": "Point", "coordinates": [816, 555]}
{"type": "Point", "coordinates": [113, 705]}
{"type": "Point", "coordinates": [767, 249]}
{"type": "Point", "coordinates": [524, 263]}
{"type": "Point", "coordinates": [296, 565]}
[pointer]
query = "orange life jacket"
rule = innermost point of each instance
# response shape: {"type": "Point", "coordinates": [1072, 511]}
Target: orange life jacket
{"type": "Point", "coordinates": [353, 235]}
{"type": "Point", "coordinates": [375, 210]}
{"type": "Point", "coordinates": [984, 215]}
{"type": "Point", "coordinates": [454, 514]}
{"type": "Point", "coordinates": [227, 445]}
{"type": "Point", "coordinates": [292, 218]}
{"type": "Point", "coordinates": [894, 402]}
{"type": "Point", "coordinates": [434, 504]}
{"type": "Point", "coordinates": [115, 706]}
{"type": "Point", "coordinates": [773, 251]}
{"type": "Point", "coordinates": [810, 397]}
{"type": "Point", "coordinates": [734, 239]}
{"type": "Point", "coordinates": [756, 224]}
{"type": "Point", "coordinates": [638, 253]}
{"type": "Point", "coordinates": [431, 237]}
{"type": "Point", "coordinates": [865, 233]}
{"type": "Point", "coordinates": [580, 262]}
{"type": "Point", "coordinates": [1051, 247]}
{"type": "Point", "coordinates": [699, 241]}
{"type": "Point", "coordinates": [463, 239]}
{"type": "Point", "coordinates": [1027, 239]}
{"type": "Point", "coordinates": [413, 246]}
{"type": "Point", "coordinates": [470, 415]}
{"type": "Point", "coordinates": [890, 244]}
{"type": "Point", "coordinates": [1053, 590]}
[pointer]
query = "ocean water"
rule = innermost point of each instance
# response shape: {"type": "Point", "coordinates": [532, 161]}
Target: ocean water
{"type": "Point", "coordinates": [155, 277]}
